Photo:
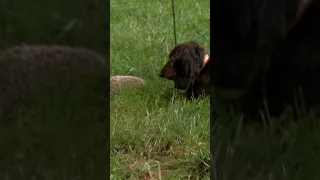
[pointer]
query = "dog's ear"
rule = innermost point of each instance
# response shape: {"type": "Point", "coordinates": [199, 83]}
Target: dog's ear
{"type": "Point", "coordinates": [188, 65]}
{"type": "Point", "coordinates": [168, 71]}
{"type": "Point", "coordinates": [196, 60]}
{"type": "Point", "coordinates": [201, 52]}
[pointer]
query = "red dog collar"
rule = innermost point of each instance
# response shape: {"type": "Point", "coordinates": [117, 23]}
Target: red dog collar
{"type": "Point", "coordinates": [205, 61]}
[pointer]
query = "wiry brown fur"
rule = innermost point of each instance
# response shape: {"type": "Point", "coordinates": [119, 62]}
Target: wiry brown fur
{"type": "Point", "coordinates": [297, 65]}
{"type": "Point", "coordinates": [257, 52]}
{"type": "Point", "coordinates": [32, 70]}
{"type": "Point", "coordinates": [184, 68]}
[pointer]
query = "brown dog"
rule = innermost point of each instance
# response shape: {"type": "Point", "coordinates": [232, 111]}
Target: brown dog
{"type": "Point", "coordinates": [265, 54]}
{"type": "Point", "coordinates": [189, 68]}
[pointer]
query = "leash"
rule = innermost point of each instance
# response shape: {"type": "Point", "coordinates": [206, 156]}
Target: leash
{"type": "Point", "coordinates": [174, 24]}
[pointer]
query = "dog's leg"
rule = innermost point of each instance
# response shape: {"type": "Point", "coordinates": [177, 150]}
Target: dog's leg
{"type": "Point", "coordinates": [189, 93]}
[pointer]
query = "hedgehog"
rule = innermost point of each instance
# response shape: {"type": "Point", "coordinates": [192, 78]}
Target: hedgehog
{"type": "Point", "coordinates": [30, 71]}
{"type": "Point", "coordinates": [119, 83]}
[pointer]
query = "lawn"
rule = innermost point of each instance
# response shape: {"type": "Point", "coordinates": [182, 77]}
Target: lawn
{"type": "Point", "coordinates": [155, 133]}
{"type": "Point", "coordinates": [282, 149]}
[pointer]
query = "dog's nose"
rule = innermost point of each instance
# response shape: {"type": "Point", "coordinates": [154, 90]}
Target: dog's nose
{"type": "Point", "coordinates": [161, 75]}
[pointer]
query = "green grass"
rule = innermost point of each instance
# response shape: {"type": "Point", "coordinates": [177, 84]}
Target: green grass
{"type": "Point", "coordinates": [67, 22]}
{"type": "Point", "coordinates": [283, 149]}
{"type": "Point", "coordinates": [154, 133]}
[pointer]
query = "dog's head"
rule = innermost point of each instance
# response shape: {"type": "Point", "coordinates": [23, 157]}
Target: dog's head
{"type": "Point", "coordinates": [186, 61]}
